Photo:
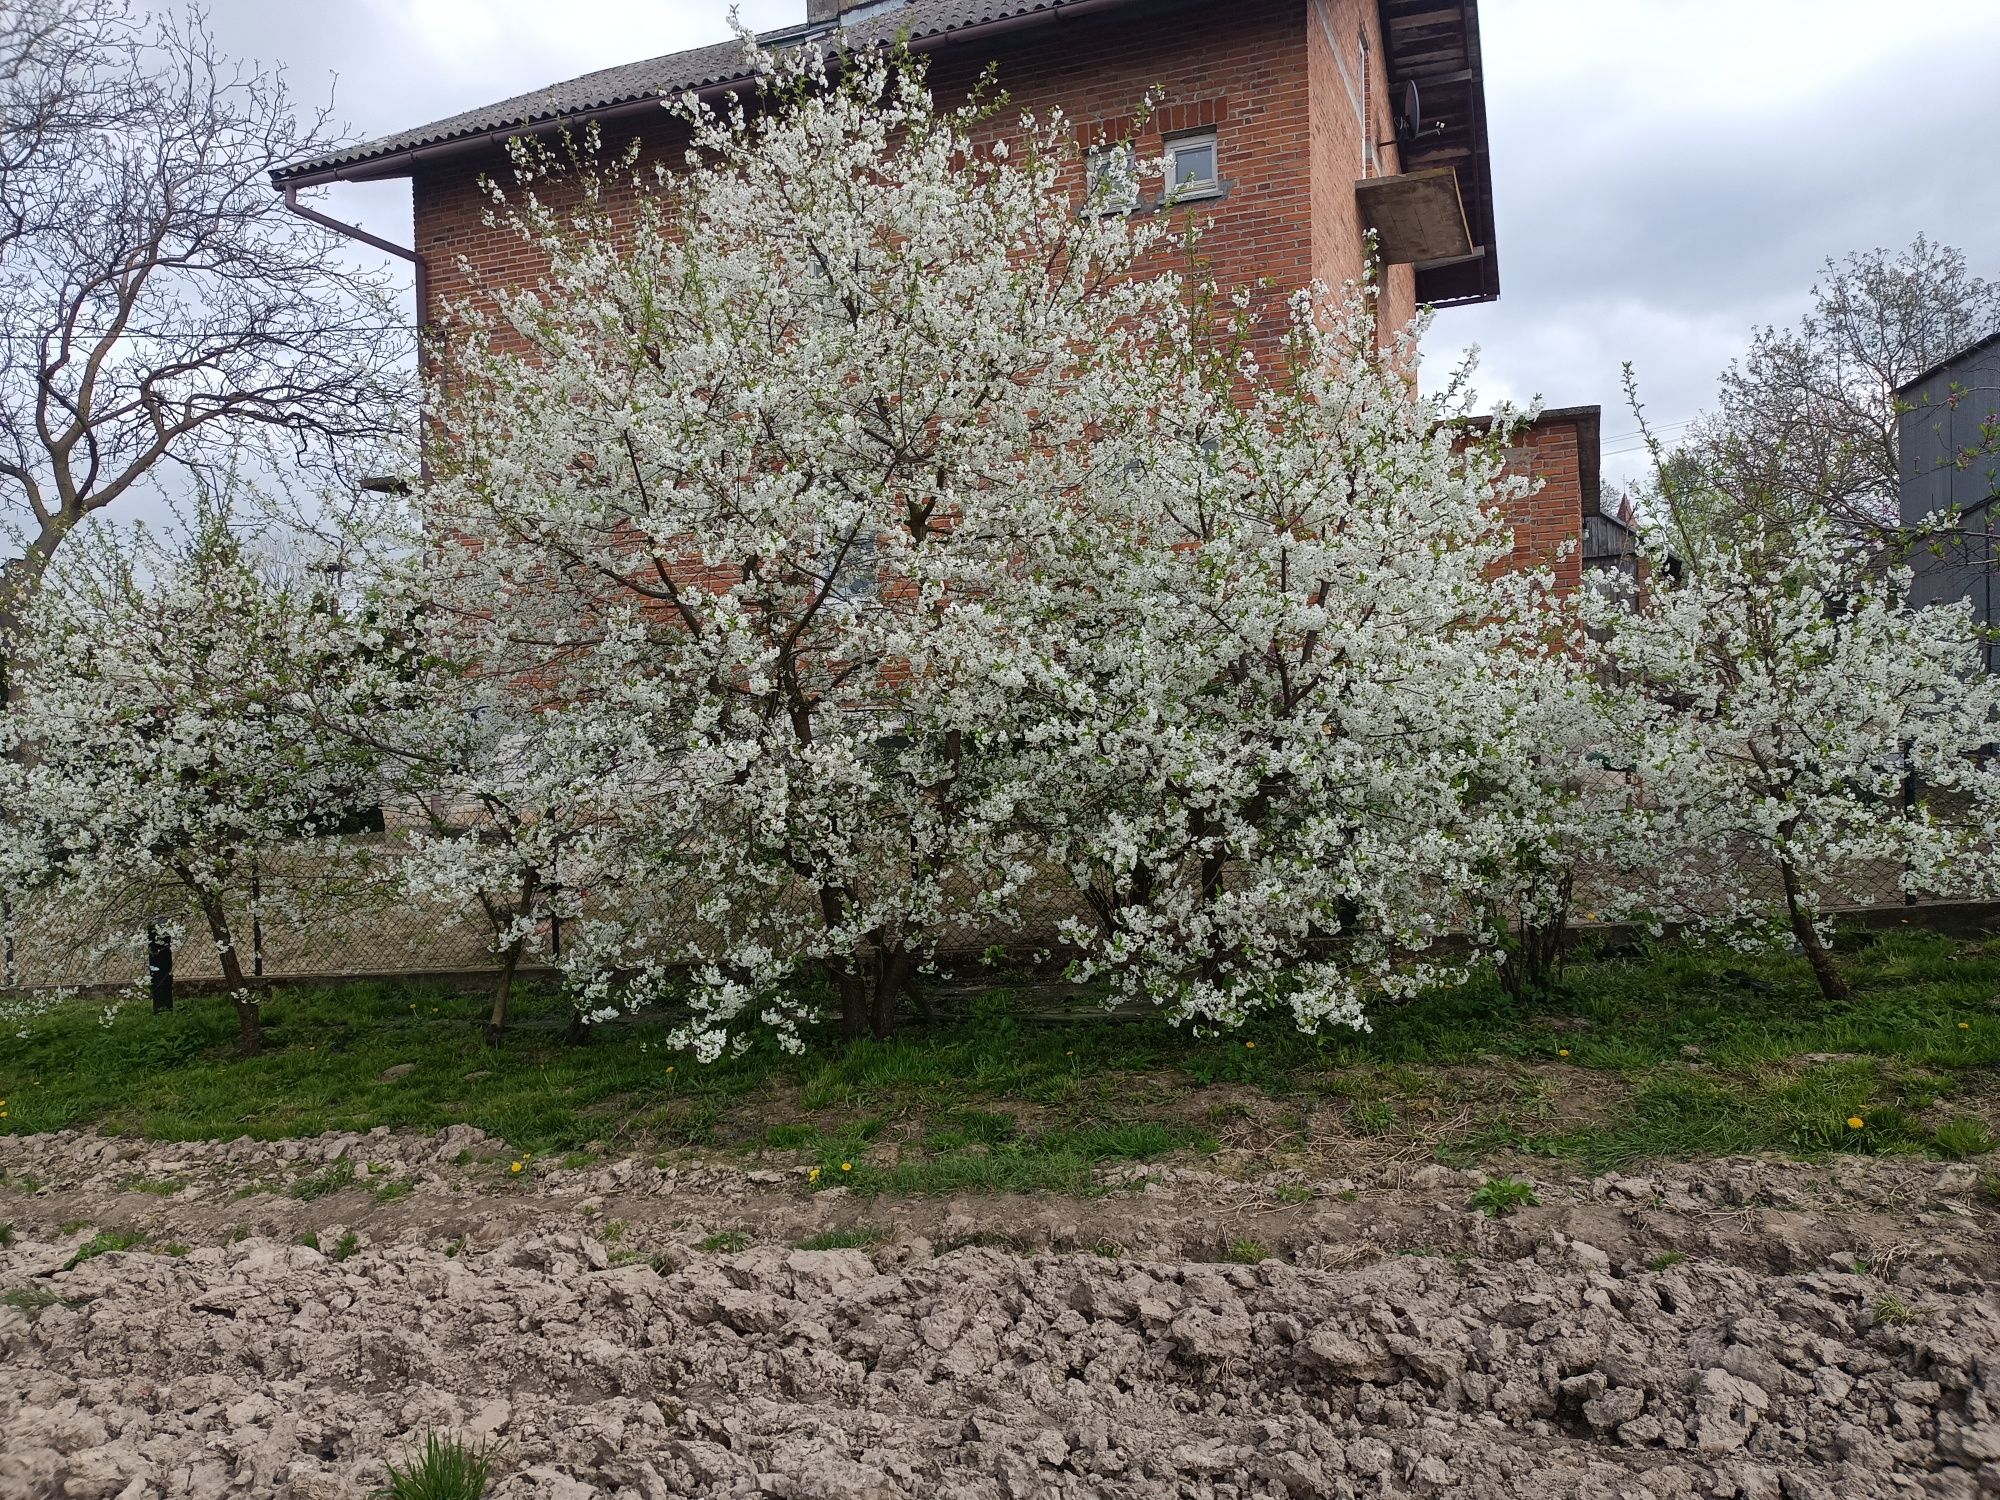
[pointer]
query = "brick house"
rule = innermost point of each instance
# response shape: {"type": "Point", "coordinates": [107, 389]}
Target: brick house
{"type": "Point", "coordinates": [1294, 127]}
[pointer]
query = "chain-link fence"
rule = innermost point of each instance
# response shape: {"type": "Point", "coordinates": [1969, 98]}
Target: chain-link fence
{"type": "Point", "coordinates": [46, 945]}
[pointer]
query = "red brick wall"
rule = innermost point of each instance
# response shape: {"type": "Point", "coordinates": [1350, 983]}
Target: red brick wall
{"type": "Point", "coordinates": [1282, 83]}
{"type": "Point", "coordinates": [1350, 119]}
{"type": "Point", "coordinates": [1289, 144]}
{"type": "Point", "coordinates": [1548, 525]}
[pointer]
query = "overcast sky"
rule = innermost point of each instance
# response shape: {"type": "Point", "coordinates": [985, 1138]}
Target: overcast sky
{"type": "Point", "coordinates": [1667, 173]}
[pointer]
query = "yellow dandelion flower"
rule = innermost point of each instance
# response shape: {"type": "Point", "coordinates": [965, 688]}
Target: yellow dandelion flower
{"type": "Point", "coordinates": [847, 1166]}
{"type": "Point", "coordinates": [670, 1067]}
{"type": "Point", "coordinates": [1251, 1045]}
{"type": "Point", "coordinates": [1855, 1122]}
{"type": "Point", "coordinates": [813, 1175]}
{"type": "Point", "coordinates": [1562, 1052]}
{"type": "Point", "coordinates": [1962, 1026]}
{"type": "Point", "coordinates": [515, 1167]}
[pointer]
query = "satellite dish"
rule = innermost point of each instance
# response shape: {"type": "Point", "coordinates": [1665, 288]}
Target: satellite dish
{"type": "Point", "coordinates": [1410, 123]}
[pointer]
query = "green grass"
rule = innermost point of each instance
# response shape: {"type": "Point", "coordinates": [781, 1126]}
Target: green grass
{"type": "Point", "coordinates": [30, 1298]}
{"type": "Point", "coordinates": [103, 1243]}
{"type": "Point", "coordinates": [1245, 1252]}
{"type": "Point", "coordinates": [1962, 1137]}
{"type": "Point", "coordinates": [162, 1187]}
{"type": "Point", "coordinates": [728, 1242]}
{"type": "Point", "coordinates": [323, 1184]}
{"type": "Point", "coordinates": [446, 1469]}
{"type": "Point", "coordinates": [1673, 1053]}
{"type": "Point", "coordinates": [844, 1239]}
{"type": "Point", "coordinates": [1894, 1311]}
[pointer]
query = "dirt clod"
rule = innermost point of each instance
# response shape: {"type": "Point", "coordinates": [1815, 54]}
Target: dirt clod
{"type": "Point", "coordinates": [1399, 1345]}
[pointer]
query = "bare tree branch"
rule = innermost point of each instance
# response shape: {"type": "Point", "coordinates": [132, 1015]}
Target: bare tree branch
{"type": "Point", "coordinates": [1807, 422]}
{"type": "Point", "coordinates": [158, 304]}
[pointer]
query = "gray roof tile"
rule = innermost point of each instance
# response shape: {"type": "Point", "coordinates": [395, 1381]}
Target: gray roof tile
{"type": "Point", "coordinates": [675, 73]}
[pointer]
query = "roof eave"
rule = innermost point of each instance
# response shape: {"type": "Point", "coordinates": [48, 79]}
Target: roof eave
{"type": "Point", "coordinates": [403, 162]}
{"type": "Point", "coordinates": [1435, 44]}
{"type": "Point", "coordinates": [1978, 346]}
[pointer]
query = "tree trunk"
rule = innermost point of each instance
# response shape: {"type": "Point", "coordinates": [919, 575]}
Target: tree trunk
{"type": "Point", "coordinates": [1537, 957]}
{"type": "Point", "coordinates": [510, 959]}
{"type": "Point", "coordinates": [247, 1000]}
{"type": "Point", "coordinates": [853, 990]}
{"type": "Point", "coordinates": [893, 968]}
{"type": "Point", "coordinates": [848, 980]}
{"type": "Point", "coordinates": [1831, 985]}
{"type": "Point", "coordinates": [503, 988]}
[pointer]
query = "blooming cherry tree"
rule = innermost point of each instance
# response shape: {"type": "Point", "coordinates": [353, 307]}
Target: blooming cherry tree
{"type": "Point", "coordinates": [162, 743]}
{"type": "Point", "coordinates": [1796, 717]}
{"type": "Point", "coordinates": [1297, 655]}
{"type": "Point", "coordinates": [757, 469]}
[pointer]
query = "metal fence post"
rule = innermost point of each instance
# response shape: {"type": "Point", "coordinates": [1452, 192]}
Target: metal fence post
{"type": "Point", "coordinates": [256, 920]}
{"type": "Point", "coordinates": [160, 968]}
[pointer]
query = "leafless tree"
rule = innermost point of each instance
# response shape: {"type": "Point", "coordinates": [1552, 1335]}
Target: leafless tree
{"type": "Point", "coordinates": [158, 305]}
{"type": "Point", "coordinates": [1806, 423]}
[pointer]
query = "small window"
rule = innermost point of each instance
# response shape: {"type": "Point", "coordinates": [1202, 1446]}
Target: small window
{"type": "Point", "coordinates": [857, 573]}
{"type": "Point", "coordinates": [1191, 171]}
{"type": "Point", "coordinates": [1113, 178]}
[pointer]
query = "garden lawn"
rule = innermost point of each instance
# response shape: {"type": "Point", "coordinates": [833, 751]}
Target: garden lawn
{"type": "Point", "coordinates": [1675, 1053]}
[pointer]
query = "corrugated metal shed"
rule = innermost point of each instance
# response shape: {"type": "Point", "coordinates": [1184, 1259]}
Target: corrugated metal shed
{"type": "Point", "coordinates": [1949, 462]}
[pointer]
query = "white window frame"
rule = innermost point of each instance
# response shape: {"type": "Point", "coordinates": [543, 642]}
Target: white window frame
{"type": "Point", "coordinates": [1124, 201]}
{"type": "Point", "coordinates": [1194, 191]}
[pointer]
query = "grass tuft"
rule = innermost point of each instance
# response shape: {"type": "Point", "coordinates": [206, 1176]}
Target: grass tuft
{"type": "Point", "coordinates": [1895, 1312]}
{"type": "Point", "coordinates": [1961, 1137]}
{"type": "Point", "coordinates": [103, 1243]}
{"type": "Point", "coordinates": [323, 1184]}
{"type": "Point", "coordinates": [447, 1469]}
{"type": "Point", "coordinates": [844, 1239]}
{"type": "Point", "coordinates": [728, 1242]}
{"type": "Point", "coordinates": [160, 1187]}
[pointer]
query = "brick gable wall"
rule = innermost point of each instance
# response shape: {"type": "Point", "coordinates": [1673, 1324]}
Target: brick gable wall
{"type": "Point", "coordinates": [1281, 82]}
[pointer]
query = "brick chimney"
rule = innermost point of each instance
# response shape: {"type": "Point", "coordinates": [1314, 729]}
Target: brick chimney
{"type": "Point", "coordinates": [832, 10]}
